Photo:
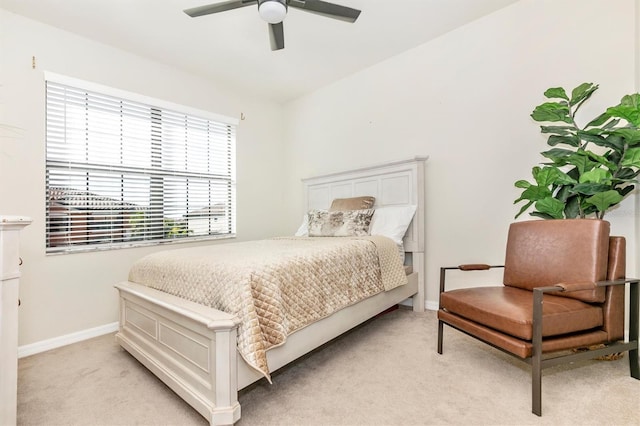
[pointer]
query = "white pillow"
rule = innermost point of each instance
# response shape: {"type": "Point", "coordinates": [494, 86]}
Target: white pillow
{"type": "Point", "coordinates": [392, 221]}
{"type": "Point", "coordinates": [303, 230]}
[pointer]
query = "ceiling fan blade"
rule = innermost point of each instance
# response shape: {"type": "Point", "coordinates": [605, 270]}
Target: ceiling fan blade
{"type": "Point", "coordinates": [218, 7]}
{"type": "Point", "coordinates": [276, 35]}
{"type": "Point", "coordinates": [327, 9]}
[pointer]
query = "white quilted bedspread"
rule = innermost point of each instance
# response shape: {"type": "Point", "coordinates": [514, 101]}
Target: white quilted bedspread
{"type": "Point", "coordinates": [275, 286]}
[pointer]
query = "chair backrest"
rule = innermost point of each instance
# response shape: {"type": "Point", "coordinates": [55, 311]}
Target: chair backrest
{"type": "Point", "coordinates": [546, 252]}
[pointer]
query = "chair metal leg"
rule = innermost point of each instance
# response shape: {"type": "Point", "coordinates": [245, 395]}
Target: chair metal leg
{"type": "Point", "coordinates": [634, 364]}
{"type": "Point", "coordinates": [536, 385]}
{"type": "Point", "coordinates": [440, 332]}
{"type": "Point", "coordinates": [634, 326]}
{"type": "Point", "coordinates": [536, 358]}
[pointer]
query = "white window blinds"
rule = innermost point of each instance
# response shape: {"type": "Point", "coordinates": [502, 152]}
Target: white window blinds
{"type": "Point", "coordinates": [122, 172]}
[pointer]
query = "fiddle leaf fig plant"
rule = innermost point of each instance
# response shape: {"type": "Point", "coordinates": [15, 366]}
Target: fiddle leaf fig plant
{"type": "Point", "coordinates": [590, 168]}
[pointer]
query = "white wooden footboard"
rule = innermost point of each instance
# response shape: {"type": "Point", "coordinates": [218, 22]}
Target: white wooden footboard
{"type": "Point", "coordinates": [190, 347]}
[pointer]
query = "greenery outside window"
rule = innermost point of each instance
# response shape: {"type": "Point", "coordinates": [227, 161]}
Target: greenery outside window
{"type": "Point", "coordinates": [124, 170]}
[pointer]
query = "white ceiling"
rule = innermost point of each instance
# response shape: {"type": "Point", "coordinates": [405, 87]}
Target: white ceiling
{"type": "Point", "coordinates": [233, 47]}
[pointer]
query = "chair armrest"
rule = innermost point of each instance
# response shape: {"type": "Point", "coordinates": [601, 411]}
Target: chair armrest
{"type": "Point", "coordinates": [618, 282]}
{"type": "Point", "coordinates": [465, 267]}
{"type": "Point", "coordinates": [474, 267]}
{"type": "Point", "coordinates": [584, 285]}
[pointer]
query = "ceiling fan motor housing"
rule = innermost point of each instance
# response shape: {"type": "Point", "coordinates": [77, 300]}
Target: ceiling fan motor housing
{"type": "Point", "coordinates": [272, 11]}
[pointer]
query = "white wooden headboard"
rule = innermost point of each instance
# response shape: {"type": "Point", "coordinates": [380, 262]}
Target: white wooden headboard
{"type": "Point", "coordinates": [395, 183]}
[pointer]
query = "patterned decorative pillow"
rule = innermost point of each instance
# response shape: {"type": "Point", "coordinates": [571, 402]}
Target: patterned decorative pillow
{"type": "Point", "coordinates": [353, 203]}
{"type": "Point", "coordinates": [348, 223]}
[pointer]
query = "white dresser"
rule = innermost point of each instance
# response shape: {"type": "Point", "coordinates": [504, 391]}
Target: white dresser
{"type": "Point", "coordinates": [10, 227]}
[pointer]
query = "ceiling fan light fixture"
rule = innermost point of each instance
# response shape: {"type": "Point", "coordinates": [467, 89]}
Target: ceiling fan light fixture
{"type": "Point", "coordinates": [272, 11]}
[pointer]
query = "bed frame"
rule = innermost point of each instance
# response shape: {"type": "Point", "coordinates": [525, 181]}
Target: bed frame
{"type": "Point", "coordinates": [192, 348]}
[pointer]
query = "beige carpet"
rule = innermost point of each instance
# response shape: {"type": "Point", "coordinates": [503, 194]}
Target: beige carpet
{"type": "Point", "coordinates": [386, 372]}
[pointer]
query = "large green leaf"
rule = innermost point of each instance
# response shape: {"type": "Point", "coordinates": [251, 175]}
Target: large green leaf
{"type": "Point", "coordinates": [549, 176]}
{"type": "Point", "coordinates": [630, 136]}
{"type": "Point", "coordinates": [552, 111]}
{"type": "Point", "coordinates": [626, 174]}
{"type": "Point", "coordinates": [572, 207]}
{"type": "Point", "coordinates": [524, 208]}
{"type": "Point", "coordinates": [613, 156]}
{"type": "Point", "coordinates": [628, 109]}
{"type": "Point", "coordinates": [582, 163]}
{"type": "Point", "coordinates": [534, 193]}
{"type": "Point", "coordinates": [557, 155]}
{"type": "Point", "coordinates": [556, 92]}
{"type": "Point", "coordinates": [632, 100]}
{"type": "Point", "coordinates": [601, 159]}
{"type": "Point", "coordinates": [590, 188]}
{"type": "Point", "coordinates": [588, 209]}
{"type": "Point", "coordinates": [551, 206]}
{"type": "Point", "coordinates": [592, 136]}
{"type": "Point", "coordinates": [603, 200]}
{"type": "Point", "coordinates": [541, 215]}
{"type": "Point", "coordinates": [615, 142]}
{"type": "Point", "coordinates": [611, 124]}
{"type": "Point", "coordinates": [626, 190]}
{"type": "Point", "coordinates": [522, 184]}
{"type": "Point", "coordinates": [563, 178]}
{"type": "Point", "coordinates": [564, 192]}
{"type": "Point", "coordinates": [582, 92]}
{"type": "Point", "coordinates": [570, 140]}
{"type": "Point", "coordinates": [599, 120]}
{"type": "Point", "coordinates": [631, 158]}
{"type": "Point", "coordinates": [595, 176]}
{"type": "Point", "coordinates": [534, 171]}
{"type": "Point", "coordinates": [558, 130]}
{"type": "Point", "coordinates": [574, 173]}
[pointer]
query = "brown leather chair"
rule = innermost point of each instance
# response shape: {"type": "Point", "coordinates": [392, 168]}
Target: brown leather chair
{"type": "Point", "coordinates": [563, 288]}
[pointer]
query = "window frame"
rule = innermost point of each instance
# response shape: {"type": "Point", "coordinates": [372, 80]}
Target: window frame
{"type": "Point", "coordinates": [153, 104]}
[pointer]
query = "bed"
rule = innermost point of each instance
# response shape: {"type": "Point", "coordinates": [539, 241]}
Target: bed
{"type": "Point", "coordinates": [195, 349]}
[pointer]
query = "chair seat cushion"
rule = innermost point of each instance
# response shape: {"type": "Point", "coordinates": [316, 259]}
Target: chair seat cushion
{"type": "Point", "coordinates": [510, 310]}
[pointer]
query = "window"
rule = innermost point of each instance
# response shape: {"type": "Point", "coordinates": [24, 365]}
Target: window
{"type": "Point", "coordinates": [121, 172]}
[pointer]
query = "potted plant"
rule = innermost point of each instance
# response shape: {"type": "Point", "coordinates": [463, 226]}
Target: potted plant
{"type": "Point", "coordinates": [590, 169]}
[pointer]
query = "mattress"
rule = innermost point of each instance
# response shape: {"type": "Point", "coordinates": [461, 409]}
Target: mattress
{"type": "Point", "coordinates": [275, 286]}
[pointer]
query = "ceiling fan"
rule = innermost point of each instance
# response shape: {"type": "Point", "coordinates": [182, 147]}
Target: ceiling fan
{"type": "Point", "coordinates": [274, 12]}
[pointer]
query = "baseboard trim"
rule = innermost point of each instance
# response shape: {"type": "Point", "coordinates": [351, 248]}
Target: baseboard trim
{"type": "Point", "coordinates": [431, 305]}
{"type": "Point", "coordinates": [428, 305]}
{"type": "Point", "coordinates": [56, 342]}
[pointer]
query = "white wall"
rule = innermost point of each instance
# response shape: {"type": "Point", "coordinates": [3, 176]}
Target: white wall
{"type": "Point", "coordinates": [464, 99]}
{"type": "Point", "coordinates": [68, 293]}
